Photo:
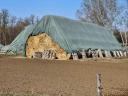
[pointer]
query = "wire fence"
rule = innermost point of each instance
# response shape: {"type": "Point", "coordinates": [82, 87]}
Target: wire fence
{"type": "Point", "coordinates": [101, 91]}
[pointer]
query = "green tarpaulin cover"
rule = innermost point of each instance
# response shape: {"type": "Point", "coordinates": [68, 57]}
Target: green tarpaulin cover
{"type": "Point", "coordinates": [69, 34]}
{"type": "Point", "coordinates": [74, 35]}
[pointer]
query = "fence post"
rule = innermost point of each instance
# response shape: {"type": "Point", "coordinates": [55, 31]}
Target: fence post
{"type": "Point", "coordinates": [99, 85]}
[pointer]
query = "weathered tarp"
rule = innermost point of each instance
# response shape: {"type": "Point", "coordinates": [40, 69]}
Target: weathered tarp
{"type": "Point", "coordinates": [69, 34]}
{"type": "Point", "coordinates": [18, 44]}
{"type": "Point", "coordinates": [74, 35]}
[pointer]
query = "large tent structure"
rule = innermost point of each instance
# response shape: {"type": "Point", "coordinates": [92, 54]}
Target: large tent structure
{"type": "Point", "coordinates": [18, 44]}
{"type": "Point", "coordinates": [73, 35]}
{"type": "Point", "coordinates": [63, 36]}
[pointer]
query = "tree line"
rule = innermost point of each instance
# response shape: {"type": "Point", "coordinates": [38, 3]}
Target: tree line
{"type": "Point", "coordinates": [106, 13]}
{"type": "Point", "coordinates": [11, 26]}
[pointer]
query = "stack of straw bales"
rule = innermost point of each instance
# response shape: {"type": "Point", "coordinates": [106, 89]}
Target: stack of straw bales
{"type": "Point", "coordinates": [42, 42]}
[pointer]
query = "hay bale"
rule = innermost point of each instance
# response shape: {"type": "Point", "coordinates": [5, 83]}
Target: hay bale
{"type": "Point", "coordinates": [117, 53]}
{"type": "Point", "coordinates": [43, 42]}
{"type": "Point", "coordinates": [114, 53]}
{"type": "Point", "coordinates": [125, 54]}
{"type": "Point", "coordinates": [107, 54]}
{"type": "Point", "coordinates": [121, 54]}
{"type": "Point", "coordinates": [75, 56]}
{"type": "Point", "coordinates": [83, 53]}
{"type": "Point", "coordinates": [37, 55]}
{"type": "Point", "coordinates": [100, 53]}
{"type": "Point", "coordinates": [93, 54]}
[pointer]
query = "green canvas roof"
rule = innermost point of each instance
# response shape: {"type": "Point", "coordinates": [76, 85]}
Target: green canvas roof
{"type": "Point", "coordinates": [18, 44]}
{"type": "Point", "coordinates": [69, 34]}
{"type": "Point", "coordinates": [74, 35]}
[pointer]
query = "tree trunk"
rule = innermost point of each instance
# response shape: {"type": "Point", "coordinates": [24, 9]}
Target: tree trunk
{"type": "Point", "coordinates": [122, 38]}
{"type": "Point", "coordinates": [126, 39]}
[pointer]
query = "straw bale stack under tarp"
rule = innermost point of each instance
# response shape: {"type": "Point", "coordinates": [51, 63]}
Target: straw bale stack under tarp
{"type": "Point", "coordinates": [42, 42]}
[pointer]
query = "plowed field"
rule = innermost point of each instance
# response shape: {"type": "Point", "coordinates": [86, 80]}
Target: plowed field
{"type": "Point", "coordinates": [63, 78]}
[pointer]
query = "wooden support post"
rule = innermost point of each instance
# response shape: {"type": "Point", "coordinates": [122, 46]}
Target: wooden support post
{"type": "Point", "coordinates": [37, 55]}
{"type": "Point", "coordinates": [106, 53]}
{"type": "Point", "coordinates": [125, 54]}
{"type": "Point", "coordinates": [109, 54]}
{"type": "Point", "coordinates": [100, 53]}
{"type": "Point", "coordinates": [93, 54]}
{"type": "Point", "coordinates": [75, 56]}
{"type": "Point", "coordinates": [99, 85]}
{"type": "Point", "coordinates": [121, 54]}
{"type": "Point", "coordinates": [117, 53]}
{"type": "Point", "coordinates": [96, 53]}
{"type": "Point", "coordinates": [33, 55]}
{"type": "Point", "coordinates": [114, 53]}
{"type": "Point", "coordinates": [43, 55]}
{"type": "Point", "coordinates": [83, 54]}
{"type": "Point", "coordinates": [50, 54]}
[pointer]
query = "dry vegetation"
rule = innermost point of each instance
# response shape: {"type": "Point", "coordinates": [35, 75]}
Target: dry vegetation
{"type": "Point", "coordinates": [33, 77]}
{"type": "Point", "coordinates": [43, 42]}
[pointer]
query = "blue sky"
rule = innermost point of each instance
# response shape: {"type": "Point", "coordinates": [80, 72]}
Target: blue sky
{"type": "Point", "coordinates": [41, 7]}
{"type": "Point", "coordinates": [23, 8]}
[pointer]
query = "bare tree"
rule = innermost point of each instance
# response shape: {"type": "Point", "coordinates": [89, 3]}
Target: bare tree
{"type": "Point", "coordinates": [21, 23]}
{"type": "Point", "coordinates": [104, 13]}
{"type": "Point", "coordinates": [101, 12]}
{"type": "Point", "coordinates": [0, 19]}
{"type": "Point", "coordinates": [0, 27]}
{"type": "Point", "coordinates": [5, 17]}
{"type": "Point", "coordinates": [127, 2]}
{"type": "Point", "coordinates": [121, 24]}
{"type": "Point", "coordinates": [13, 21]}
{"type": "Point", "coordinates": [12, 26]}
{"type": "Point", "coordinates": [27, 21]}
{"type": "Point", "coordinates": [37, 20]}
{"type": "Point", "coordinates": [32, 19]}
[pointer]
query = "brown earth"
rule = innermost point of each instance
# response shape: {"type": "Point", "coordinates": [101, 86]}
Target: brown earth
{"type": "Point", "coordinates": [64, 78]}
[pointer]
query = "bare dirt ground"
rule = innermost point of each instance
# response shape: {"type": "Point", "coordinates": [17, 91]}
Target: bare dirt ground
{"type": "Point", "coordinates": [64, 78]}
